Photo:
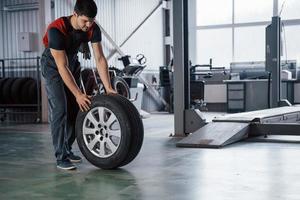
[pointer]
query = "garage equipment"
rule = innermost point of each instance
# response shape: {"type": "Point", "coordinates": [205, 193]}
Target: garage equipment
{"type": "Point", "coordinates": [136, 68]}
{"type": "Point", "coordinates": [235, 127]}
{"type": "Point", "coordinates": [91, 83]}
{"type": "Point", "coordinates": [117, 49]}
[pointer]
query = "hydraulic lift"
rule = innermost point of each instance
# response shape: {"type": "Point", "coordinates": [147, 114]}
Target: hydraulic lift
{"type": "Point", "coordinates": [281, 119]}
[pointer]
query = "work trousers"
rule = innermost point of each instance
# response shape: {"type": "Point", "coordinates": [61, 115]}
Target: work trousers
{"type": "Point", "coordinates": [62, 105]}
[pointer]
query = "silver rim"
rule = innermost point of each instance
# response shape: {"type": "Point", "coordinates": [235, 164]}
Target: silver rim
{"type": "Point", "coordinates": [101, 132]}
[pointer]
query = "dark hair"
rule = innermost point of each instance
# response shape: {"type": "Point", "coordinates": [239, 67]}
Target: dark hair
{"type": "Point", "coordinates": [86, 7]}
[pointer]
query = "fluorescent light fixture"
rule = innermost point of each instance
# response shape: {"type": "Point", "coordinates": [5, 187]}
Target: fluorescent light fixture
{"type": "Point", "coordinates": [21, 7]}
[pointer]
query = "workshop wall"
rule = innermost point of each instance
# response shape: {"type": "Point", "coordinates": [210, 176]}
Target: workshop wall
{"type": "Point", "coordinates": [15, 21]}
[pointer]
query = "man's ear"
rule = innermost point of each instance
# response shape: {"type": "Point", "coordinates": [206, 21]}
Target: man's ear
{"type": "Point", "coordinates": [75, 14]}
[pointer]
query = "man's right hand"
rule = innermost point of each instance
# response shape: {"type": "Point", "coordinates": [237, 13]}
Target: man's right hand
{"type": "Point", "coordinates": [83, 101]}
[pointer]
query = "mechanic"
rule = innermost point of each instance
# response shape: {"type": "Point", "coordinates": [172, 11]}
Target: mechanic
{"type": "Point", "coordinates": [59, 66]}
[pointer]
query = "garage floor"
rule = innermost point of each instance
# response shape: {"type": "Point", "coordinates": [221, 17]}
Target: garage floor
{"type": "Point", "coordinates": [246, 170]}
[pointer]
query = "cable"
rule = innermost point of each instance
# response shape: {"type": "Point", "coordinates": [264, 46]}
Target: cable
{"type": "Point", "coordinates": [269, 89]}
{"type": "Point", "coordinates": [281, 9]}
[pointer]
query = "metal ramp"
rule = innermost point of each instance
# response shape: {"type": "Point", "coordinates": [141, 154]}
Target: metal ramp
{"type": "Point", "coordinates": [215, 135]}
{"type": "Point", "coordinates": [235, 127]}
{"type": "Point", "coordinates": [262, 116]}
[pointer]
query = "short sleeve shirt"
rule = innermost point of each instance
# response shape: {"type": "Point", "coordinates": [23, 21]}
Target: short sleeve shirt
{"type": "Point", "coordinates": [60, 35]}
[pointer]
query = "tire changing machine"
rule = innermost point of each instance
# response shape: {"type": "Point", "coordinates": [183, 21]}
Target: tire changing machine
{"type": "Point", "coordinates": [281, 119]}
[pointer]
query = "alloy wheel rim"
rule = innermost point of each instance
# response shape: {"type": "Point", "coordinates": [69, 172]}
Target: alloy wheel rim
{"type": "Point", "coordinates": [101, 132]}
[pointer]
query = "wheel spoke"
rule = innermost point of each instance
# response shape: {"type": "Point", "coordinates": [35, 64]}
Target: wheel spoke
{"type": "Point", "coordinates": [115, 133]}
{"type": "Point", "coordinates": [92, 119]}
{"type": "Point", "coordinates": [102, 149]}
{"type": "Point", "coordinates": [92, 143]}
{"type": "Point", "coordinates": [111, 145]}
{"type": "Point", "coordinates": [112, 118]}
{"type": "Point", "coordinates": [89, 131]}
{"type": "Point", "coordinates": [101, 115]}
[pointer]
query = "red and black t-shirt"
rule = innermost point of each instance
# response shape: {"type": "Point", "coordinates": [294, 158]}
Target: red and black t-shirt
{"type": "Point", "coordinates": [60, 35]}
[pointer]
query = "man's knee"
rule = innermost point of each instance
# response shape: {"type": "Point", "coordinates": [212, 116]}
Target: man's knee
{"type": "Point", "coordinates": [58, 108]}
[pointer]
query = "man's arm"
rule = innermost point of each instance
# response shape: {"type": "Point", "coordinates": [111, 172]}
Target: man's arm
{"type": "Point", "coordinates": [62, 66]}
{"type": "Point", "coordinates": [102, 66]}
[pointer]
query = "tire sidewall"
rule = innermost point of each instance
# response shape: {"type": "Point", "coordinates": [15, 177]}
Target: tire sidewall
{"type": "Point", "coordinates": [137, 129]}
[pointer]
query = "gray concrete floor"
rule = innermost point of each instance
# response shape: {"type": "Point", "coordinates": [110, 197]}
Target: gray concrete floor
{"type": "Point", "coordinates": [246, 170]}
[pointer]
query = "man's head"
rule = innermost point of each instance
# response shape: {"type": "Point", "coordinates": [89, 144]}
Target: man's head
{"type": "Point", "coordinates": [85, 12]}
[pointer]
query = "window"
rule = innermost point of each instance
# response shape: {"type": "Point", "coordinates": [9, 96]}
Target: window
{"type": "Point", "coordinates": [214, 12]}
{"type": "Point", "coordinates": [253, 11]}
{"type": "Point", "coordinates": [215, 44]}
{"type": "Point", "coordinates": [248, 40]}
{"type": "Point", "coordinates": [291, 44]}
{"type": "Point", "coordinates": [249, 44]}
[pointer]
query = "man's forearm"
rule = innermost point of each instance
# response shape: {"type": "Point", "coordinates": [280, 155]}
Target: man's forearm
{"type": "Point", "coordinates": [103, 72]}
{"type": "Point", "coordinates": [69, 80]}
{"type": "Point", "coordinates": [62, 66]}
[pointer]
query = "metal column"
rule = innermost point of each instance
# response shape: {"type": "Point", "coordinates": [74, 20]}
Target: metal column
{"type": "Point", "coordinates": [186, 120]}
{"type": "Point", "coordinates": [181, 85]}
{"type": "Point", "coordinates": [167, 29]}
{"type": "Point", "coordinates": [273, 57]}
{"type": "Point", "coordinates": [275, 8]}
{"type": "Point", "coordinates": [45, 17]}
{"type": "Point", "coordinates": [192, 17]}
{"type": "Point", "coordinates": [273, 52]}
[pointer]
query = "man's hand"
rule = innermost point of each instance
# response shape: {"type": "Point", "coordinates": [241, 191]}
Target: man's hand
{"type": "Point", "coordinates": [111, 91]}
{"type": "Point", "coordinates": [83, 101]}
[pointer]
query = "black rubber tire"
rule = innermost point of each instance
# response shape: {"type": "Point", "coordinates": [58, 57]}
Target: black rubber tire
{"type": "Point", "coordinates": [121, 86]}
{"type": "Point", "coordinates": [16, 90]}
{"type": "Point", "coordinates": [25, 97]}
{"type": "Point", "coordinates": [33, 92]}
{"type": "Point", "coordinates": [137, 135]}
{"type": "Point", "coordinates": [2, 82]}
{"type": "Point", "coordinates": [6, 89]}
{"type": "Point", "coordinates": [115, 160]}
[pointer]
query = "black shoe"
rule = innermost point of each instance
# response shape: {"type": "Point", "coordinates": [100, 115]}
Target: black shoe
{"type": "Point", "coordinates": [75, 159]}
{"type": "Point", "coordinates": [66, 164]}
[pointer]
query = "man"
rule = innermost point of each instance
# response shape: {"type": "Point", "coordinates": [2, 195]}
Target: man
{"type": "Point", "coordinates": [59, 64]}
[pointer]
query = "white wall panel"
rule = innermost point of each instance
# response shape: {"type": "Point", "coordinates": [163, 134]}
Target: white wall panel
{"type": "Point", "coordinates": [148, 40]}
{"type": "Point", "coordinates": [14, 22]}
